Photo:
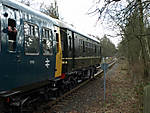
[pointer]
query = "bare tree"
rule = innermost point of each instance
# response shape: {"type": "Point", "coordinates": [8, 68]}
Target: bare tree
{"type": "Point", "coordinates": [128, 16]}
{"type": "Point", "coordinates": [51, 10]}
{"type": "Point", "coordinates": [108, 48]}
{"type": "Point", "coordinates": [26, 2]}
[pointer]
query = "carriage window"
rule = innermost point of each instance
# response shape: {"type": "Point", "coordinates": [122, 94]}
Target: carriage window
{"type": "Point", "coordinates": [32, 30]}
{"type": "Point", "coordinates": [80, 44]}
{"type": "Point", "coordinates": [31, 33]}
{"type": "Point", "coordinates": [47, 42]}
{"type": "Point", "coordinates": [87, 47]}
{"type": "Point", "coordinates": [99, 50]}
{"type": "Point", "coordinates": [70, 43]}
{"type": "Point", "coordinates": [83, 46]}
{"type": "Point", "coordinates": [12, 34]}
{"type": "Point", "coordinates": [95, 48]}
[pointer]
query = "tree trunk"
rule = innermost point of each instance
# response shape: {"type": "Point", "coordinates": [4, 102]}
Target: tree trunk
{"type": "Point", "coordinates": [144, 54]}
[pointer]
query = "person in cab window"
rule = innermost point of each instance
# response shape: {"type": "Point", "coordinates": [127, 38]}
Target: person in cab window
{"type": "Point", "coordinates": [12, 34]}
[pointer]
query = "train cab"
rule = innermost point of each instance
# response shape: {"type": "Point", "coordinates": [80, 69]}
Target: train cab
{"type": "Point", "coordinates": [27, 47]}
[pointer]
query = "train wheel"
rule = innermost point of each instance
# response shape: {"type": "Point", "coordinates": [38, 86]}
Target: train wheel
{"type": "Point", "coordinates": [63, 88]}
{"type": "Point", "coordinates": [92, 74]}
{"type": "Point", "coordinates": [74, 83]}
{"type": "Point", "coordinates": [88, 73]}
{"type": "Point", "coordinates": [71, 85]}
{"type": "Point", "coordinates": [58, 93]}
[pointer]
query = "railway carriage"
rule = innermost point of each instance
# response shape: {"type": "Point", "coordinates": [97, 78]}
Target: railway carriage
{"type": "Point", "coordinates": [81, 54]}
{"type": "Point", "coordinates": [40, 56]}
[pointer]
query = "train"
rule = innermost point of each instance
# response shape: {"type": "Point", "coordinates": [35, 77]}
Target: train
{"type": "Point", "coordinates": [40, 56]}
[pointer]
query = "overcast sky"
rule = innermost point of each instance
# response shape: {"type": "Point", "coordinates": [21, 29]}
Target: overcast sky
{"type": "Point", "coordinates": [75, 12]}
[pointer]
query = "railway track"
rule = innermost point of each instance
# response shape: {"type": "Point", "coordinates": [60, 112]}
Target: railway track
{"type": "Point", "coordinates": [54, 105]}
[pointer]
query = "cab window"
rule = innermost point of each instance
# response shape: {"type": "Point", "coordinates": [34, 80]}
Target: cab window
{"type": "Point", "coordinates": [31, 34]}
{"type": "Point", "coordinates": [47, 42]}
{"type": "Point", "coordinates": [12, 34]}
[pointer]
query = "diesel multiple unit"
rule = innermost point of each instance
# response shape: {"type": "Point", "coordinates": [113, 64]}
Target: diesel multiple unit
{"type": "Point", "coordinates": [40, 55]}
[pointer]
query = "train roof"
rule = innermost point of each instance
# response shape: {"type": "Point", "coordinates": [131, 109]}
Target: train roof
{"type": "Point", "coordinates": [19, 6]}
{"type": "Point", "coordinates": [67, 26]}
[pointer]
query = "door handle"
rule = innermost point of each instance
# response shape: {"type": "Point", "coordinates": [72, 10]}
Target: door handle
{"type": "Point", "coordinates": [18, 58]}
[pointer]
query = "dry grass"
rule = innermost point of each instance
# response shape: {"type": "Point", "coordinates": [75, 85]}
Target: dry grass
{"type": "Point", "coordinates": [121, 96]}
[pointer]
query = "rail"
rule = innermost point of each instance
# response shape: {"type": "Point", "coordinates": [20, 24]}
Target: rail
{"type": "Point", "coordinates": [52, 104]}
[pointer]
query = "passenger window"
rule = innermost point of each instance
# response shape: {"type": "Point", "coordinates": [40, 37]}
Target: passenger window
{"type": "Point", "coordinates": [86, 47]}
{"type": "Point", "coordinates": [12, 34]}
{"type": "Point", "coordinates": [70, 43]}
{"type": "Point", "coordinates": [100, 49]}
{"type": "Point", "coordinates": [31, 34]}
{"type": "Point", "coordinates": [83, 46]}
{"type": "Point", "coordinates": [80, 44]}
{"type": "Point", "coordinates": [95, 48]}
{"type": "Point", "coordinates": [47, 42]}
{"type": "Point", "coordinates": [32, 30]}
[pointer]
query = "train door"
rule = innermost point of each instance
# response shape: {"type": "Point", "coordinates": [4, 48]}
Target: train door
{"type": "Point", "coordinates": [48, 66]}
{"type": "Point", "coordinates": [58, 52]}
{"type": "Point", "coordinates": [9, 44]}
{"type": "Point", "coordinates": [70, 37]}
{"type": "Point", "coordinates": [64, 46]}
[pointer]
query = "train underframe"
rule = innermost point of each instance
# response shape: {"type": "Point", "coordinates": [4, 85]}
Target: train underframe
{"type": "Point", "coordinates": [29, 101]}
